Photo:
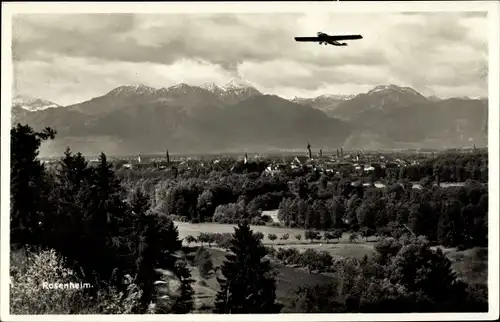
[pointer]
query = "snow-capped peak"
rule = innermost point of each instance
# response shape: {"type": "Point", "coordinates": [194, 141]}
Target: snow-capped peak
{"type": "Point", "coordinates": [338, 97]}
{"type": "Point", "coordinates": [212, 87]}
{"type": "Point", "coordinates": [32, 104]}
{"type": "Point", "coordinates": [128, 90]}
{"type": "Point", "coordinates": [234, 84]}
{"type": "Point", "coordinates": [394, 88]}
{"type": "Point", "coordinates": [179, 86]}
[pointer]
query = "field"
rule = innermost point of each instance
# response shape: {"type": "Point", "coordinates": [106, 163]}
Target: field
{"type": "Point", "coordinates": [337, 248]}
{"type": "Point", "coordinates": [470, 265]}
{"type": "Point", "coordinates": [288, 279]}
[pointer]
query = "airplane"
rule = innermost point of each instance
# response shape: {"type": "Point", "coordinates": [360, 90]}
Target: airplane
{"type": "Point", "coordinates": [324, 39]}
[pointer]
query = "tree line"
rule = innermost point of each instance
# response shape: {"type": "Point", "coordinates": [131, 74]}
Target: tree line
{"type": "Point", "coordinates": [123, 241]}
{"type": "Point", "coordinates": [403, 275]}
{"type": "Point", "coordinates": [77, 220]}
{"type": "Point", "coordinates": [456, 216]}
{"type": "Point", "coordinates": [451, 216]}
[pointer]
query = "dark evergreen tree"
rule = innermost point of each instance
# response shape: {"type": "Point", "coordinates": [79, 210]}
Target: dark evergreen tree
{"type": "Point", "coordinates": [106, 213]}
{"type": "Point", "coordinates": [69, 229]}
{"type": "Point", "coordinates": [28, 184]}
{"type": "Point", "coordinates": [249, 285]}
{"type": "Point", "coordinates": [450, 228]}
{"type": "Point", "coordinates": [184, 303]}
{"type": "Point", "coordinates": [160, 246]}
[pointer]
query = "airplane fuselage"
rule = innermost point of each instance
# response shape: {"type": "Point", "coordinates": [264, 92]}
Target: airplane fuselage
{"type": "Point", "coordinates": [325, 41]}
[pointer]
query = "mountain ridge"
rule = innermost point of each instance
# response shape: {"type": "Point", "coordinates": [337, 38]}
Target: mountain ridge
{"type": "Point", "coordinates": [139, 118]}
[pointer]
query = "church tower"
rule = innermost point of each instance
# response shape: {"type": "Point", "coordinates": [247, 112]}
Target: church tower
{"type": "Point", "coordinates": [309, 154]}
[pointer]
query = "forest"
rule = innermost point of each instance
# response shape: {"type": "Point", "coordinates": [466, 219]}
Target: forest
{"type": "Point", "coordinates": [117, 230]}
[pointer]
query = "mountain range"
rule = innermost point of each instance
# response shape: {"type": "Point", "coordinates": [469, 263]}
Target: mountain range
{"type": "Point", "coordinates": [237, 117]}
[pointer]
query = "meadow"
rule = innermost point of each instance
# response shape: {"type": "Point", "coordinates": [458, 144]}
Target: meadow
{"type": "Point", "coordinates": [470, 265]}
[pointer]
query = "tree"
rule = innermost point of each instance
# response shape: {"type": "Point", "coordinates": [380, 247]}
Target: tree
{"type": "Point", "coordinates": [259, 235]}
{"type": "Point", "coordinates": [28, 184]}
{"type": "Point", "coordinates": [311, 235]}
{"type": "Point", "coordinates": [353, 237]}
{"type": "Point", "coordinates": [224, 240]}
{"type": "Point", "coordinates": [327, 236]}
{"type": "Point", "coordinates": [248, 285]}
{"type": "Point", "coordinates": [298, 236]}
{"type": "Point", "coordinates": [205, 205]}
{"type": "Point", "coordinates": [319, 298]}
{"type": "Point", "coordinates": [140, 203]}
{"type": "Point", "coordinates": [190, 239]}
{"type": "Point", "coordinates": [285, 236]}
{"type": "Point", "coordinates": [420, 269]}
{"type": "Point", "coordinates": [184, 303]}
{"type": "Point", "coordinates": [204, 238]}
{"type": "Point", "coordinates": [386, 248]}
{"type": "Point", "coordinates": [161, 245]}
{"type": "Point", "coordinates": [107, 214]}
{"type": "Point", "coordinates": [366, 232]}
{"type": "Point", "coordinates": [309, 259]}
{"type": "Point", "coordinates": [450, 228]}
{"type": "Point", "coordinates": [272, 237]}
{"type": "Point", "coordinates": [337, 234]}
{"type": "Point", "coordinates": [203, 260]}
{"type": "Point", "coordinates": [70, 197]}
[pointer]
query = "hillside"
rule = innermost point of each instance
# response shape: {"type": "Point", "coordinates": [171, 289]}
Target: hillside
{"type": "Point", "coordinates": [140, 119]}
{"type": "Point", "coordinates": [236, 116]}
{"type": "Point", "coordinates": [390, 116]}
{"type": "Point", "coordinates": [325, 103]}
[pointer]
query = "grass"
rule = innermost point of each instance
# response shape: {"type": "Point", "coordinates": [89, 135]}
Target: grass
{"type": "Point", "coordinates": [186, 229]}
{"type": "Point", "coordinates": [470, 265]}
{"type": "Point", "coordinates": [288, 279]}
{"type": "Point", "coordinates": [337, 248]}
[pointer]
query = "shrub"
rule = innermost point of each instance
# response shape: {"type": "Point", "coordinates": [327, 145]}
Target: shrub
{"type": "Point", "coordinates": [312, 235]}
{"type": "Point", "coordinates": [224, 240]}
{"type": "Point", "coordinates": [353, 237]}
{"type": "Point", "coordinates": [257, 221]}
{"type": "Point", "coordinates": [337, 234]}
{"type": "Point", "coordinates": [288, 255]}
{"type": "Point", "coordinates": [271, 251]}
{"type": "Point", "coordinates": [203, 260]}
{"type": "Point", "coordinates": [28, 294]}
{"type": "Point", "coordinates": [190, 239]}
{"type": "Point", "coordinates": [272, 237]}
{"type": "Point", "coordinates": [259, 235]}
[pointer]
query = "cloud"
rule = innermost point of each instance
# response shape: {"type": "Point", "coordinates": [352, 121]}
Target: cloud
{"type": "Point", "coordinates": [72, 57]}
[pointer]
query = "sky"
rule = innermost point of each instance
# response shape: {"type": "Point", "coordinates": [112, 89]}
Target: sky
{"type": "Point", "coordinates": [69, 58]}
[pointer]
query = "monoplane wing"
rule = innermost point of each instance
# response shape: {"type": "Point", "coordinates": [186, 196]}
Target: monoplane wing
{"type": "Point", "coordinates": [329, 38]}
{"type": "Point", "coordinates": [307, 38]}
{"type": "Point", "coordinates": [343, 37]}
